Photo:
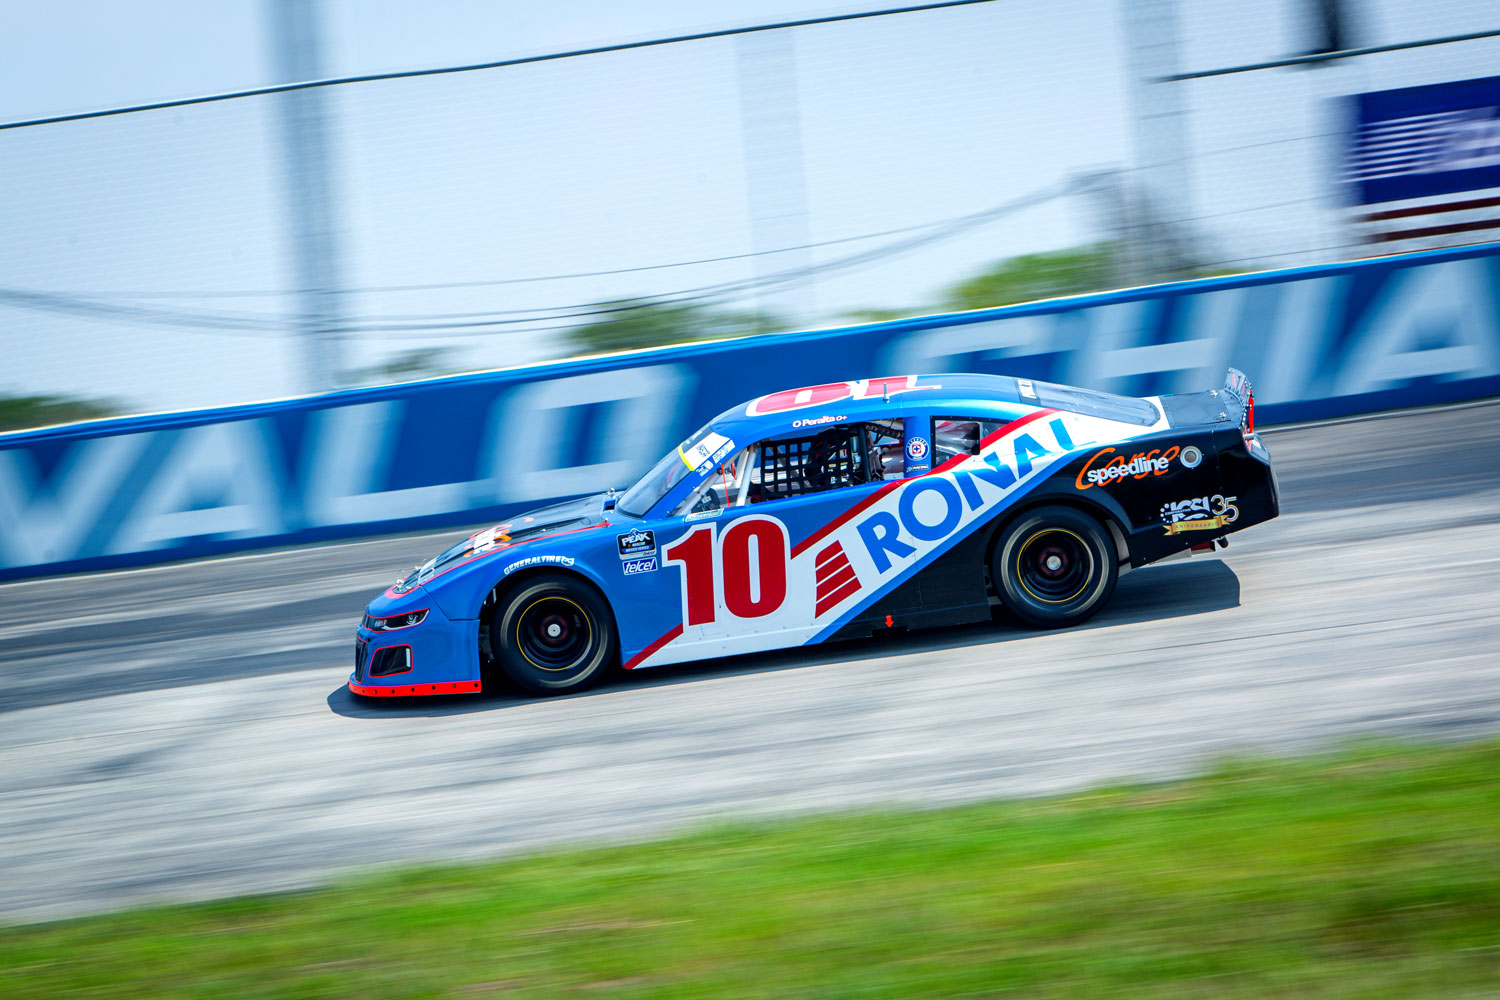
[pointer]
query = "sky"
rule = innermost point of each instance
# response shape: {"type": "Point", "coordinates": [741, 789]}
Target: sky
{"type": "Point", "coordinates": [600, 164]}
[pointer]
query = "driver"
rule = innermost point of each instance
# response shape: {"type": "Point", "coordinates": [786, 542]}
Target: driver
{"type": "Point", "coordinates": [832, 461]}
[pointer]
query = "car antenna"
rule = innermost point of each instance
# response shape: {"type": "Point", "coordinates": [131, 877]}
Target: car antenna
{"type": "Point", "coordinates": [886, 390]}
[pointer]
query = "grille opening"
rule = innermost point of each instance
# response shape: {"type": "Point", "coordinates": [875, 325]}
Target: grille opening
{"type": "Point", "coordinates": [391, 660]}
{"type": "Point", "coordinates": [360, 652]}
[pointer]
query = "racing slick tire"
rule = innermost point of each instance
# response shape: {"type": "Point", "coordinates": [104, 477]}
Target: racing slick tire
{"type": "Point", "coordinates": [553, 634]}
{"type": "Point", "coordinates": [1054, 566]}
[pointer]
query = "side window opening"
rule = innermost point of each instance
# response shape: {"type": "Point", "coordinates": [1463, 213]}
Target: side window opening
{"type": "Point", "coordinates": [828, 460]}
{"type": "Point", "coordinates": [955, 436]}
{"type": "Point", "coordinates": [885, 443]}
{"type": "Point", "coordinates": [844, 455]}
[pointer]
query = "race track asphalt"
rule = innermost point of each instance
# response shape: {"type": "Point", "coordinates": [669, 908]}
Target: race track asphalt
{"type": "Point", "coordinates": [183, 732]}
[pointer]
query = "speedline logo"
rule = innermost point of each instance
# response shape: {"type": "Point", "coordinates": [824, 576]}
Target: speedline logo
{"type": "Point", "coordinates": [1140, 465]}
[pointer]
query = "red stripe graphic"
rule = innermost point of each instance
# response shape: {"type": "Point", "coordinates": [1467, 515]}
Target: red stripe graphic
{"type": "Point", "coordinates": [828, 555]}
{"type": "Point", "coordinates": [835, 578]}
{"type": "Point", "coordinates": [834, 599]}
{"type": "Point", "coordinates": [635, 660]}
{"type": "Point", "coordinates": [842, 575]}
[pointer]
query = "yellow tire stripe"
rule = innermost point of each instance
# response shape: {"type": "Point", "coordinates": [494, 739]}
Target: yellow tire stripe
{"type": "Point", "coordinates": [550, 597]}
{"type": "Point", "coordinates": [1022, 579]}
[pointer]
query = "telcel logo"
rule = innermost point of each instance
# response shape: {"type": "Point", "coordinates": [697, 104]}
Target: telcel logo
{"type": "Point", "coordinates": [631, 567]}
{"type": "Point", "coordinates": [1140, 465]}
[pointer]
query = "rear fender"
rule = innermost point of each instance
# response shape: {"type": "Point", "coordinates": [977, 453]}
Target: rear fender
{"type": "Point", "coordinates": [1104, 508]}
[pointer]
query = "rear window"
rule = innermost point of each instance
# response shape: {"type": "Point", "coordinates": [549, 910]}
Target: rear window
{"type": "Point", "coordinates": [955, 436]}
{"type": "Point", "coordinates": [1126, 409]}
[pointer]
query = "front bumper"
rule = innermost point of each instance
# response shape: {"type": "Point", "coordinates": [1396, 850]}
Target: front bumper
{"type": "Point", "coordinates": [437, 656]}
{"type": "Point", "coordinates": [408, 690]}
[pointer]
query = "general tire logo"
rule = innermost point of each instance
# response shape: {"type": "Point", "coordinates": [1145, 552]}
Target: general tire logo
{"type": "Point", "coordinates": [636, 543]}
{"type": "Point", "coordinates": [539, 561]}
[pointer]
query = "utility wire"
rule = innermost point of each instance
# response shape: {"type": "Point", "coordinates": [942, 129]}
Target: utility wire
{"type": "Point", "coordinates": [708, 293]}
{"type": "Point", "coordinates": [491, 282]}
{"type": "Point", "coordinates": [1322, 57]}
{"type": "Point", "coordinates": [283, 88]}
{"type": "Point", "coordinates": [479, 322]}
{"type": "Point", "coordinates": [78, 305]}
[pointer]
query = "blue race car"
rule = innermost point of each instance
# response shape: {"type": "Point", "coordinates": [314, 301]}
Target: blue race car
{"type": "Point", "coordinates": [831, 512]}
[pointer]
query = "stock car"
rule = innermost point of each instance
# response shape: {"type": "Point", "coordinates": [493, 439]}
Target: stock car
{"type": "Point", "coordinates": [830, 512]}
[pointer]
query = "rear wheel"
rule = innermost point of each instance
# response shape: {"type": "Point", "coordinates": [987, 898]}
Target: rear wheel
{"type": "Point", "coordinates": [1054, 567]}
{"type": "Point", "coordinates": [553, 634]}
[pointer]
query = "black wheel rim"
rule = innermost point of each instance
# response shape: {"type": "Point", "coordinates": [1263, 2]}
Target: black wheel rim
{"type": "Point", "coordinates": [554, 634]}
{"type": "Point", "coordinates": [1054, 565]}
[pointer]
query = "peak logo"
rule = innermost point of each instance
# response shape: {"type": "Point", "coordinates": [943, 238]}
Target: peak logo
{"type": "Point", "coordinates": [1101, 471]}
{"type": "Point", "coordinates": [636, 543]}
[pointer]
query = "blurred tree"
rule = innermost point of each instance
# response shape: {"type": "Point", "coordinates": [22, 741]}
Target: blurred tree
{"type": "Point", "coordinates": [878, 315]}
{"type": "Point", "coordinates": [408, 366]}
{"type": "Point", "coordinates": [638, 323]}
{"type": "Point", "coordinates": [21, 412]}
{"type": "Point", "coordinates": [1034, 276]}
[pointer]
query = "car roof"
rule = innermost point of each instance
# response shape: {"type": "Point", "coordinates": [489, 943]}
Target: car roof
{"type": "Point", "coordinates": [793, 410]}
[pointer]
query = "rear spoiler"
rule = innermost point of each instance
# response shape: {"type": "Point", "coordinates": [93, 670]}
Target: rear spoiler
{"type": "Point", "coordinates": [1237, 388]}
{"type": "Point", "coordinates": [1234, 403]}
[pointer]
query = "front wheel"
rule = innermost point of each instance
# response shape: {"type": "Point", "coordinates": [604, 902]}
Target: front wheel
{"type": "Point", "coordinates": [553, 634]}
{"type": "Point", "coordinates": [1054, 567]}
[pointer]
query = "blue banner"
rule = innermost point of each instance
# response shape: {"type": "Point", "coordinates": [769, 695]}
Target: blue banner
{"type": "Point", "coordinates": [1317, 342]}
{"type": "Point", "coordinates": [1423, 141]}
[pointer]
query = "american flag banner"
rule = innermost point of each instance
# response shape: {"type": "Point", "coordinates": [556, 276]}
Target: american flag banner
{"type": "Point", "coordinates": [1422, 165]}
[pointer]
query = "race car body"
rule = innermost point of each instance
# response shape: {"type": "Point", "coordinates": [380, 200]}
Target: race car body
{"type": "Point", "coordinates": [829, 512]}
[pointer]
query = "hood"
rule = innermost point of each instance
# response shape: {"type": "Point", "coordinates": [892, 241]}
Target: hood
{"type": "Point", "coordinates": [555, 517]}
{"type": "Point", "coordinates": [569, 515]}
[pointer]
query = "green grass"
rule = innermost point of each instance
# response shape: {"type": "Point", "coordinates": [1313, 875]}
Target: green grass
{"type": "Point", "coordinates": [1371, 873]}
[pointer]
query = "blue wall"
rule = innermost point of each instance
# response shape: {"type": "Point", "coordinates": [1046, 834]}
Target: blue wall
{"type": "Point", "coordinates": [1316, 342]}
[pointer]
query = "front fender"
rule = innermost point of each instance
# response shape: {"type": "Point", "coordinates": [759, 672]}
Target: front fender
{"type": "Point", "coordinates": [462, 594]}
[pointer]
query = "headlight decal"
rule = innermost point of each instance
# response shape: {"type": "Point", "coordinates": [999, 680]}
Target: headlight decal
{"type": "Point", "coordinates": [392, 623]}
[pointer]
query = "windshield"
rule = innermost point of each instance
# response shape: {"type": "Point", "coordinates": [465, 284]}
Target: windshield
{"type": "Point", "coordinates": [693, 454]}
